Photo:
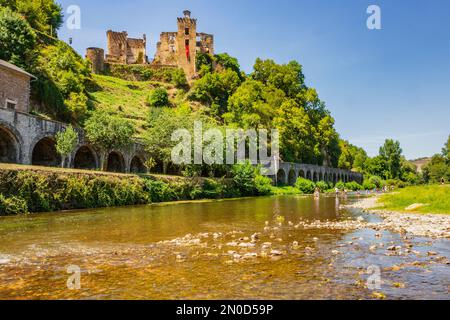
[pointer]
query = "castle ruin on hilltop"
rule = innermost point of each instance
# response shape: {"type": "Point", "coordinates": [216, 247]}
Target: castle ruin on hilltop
{"type": "Point", "coordinates": [175, 49]}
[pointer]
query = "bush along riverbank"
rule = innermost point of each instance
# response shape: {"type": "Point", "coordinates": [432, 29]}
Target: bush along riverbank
{"type": "Point", "coordinates": [38, 189]}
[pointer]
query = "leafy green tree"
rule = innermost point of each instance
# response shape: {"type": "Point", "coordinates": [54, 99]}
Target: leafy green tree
{"type": "Point", "coordinates": [17, 39]}
{"type": "Point", "coordinates": [376, 166]}
{"type": "Point", "coordinates": [108, 132]}
{"type": "Point", "coordinates": [287, 77]}
{"type": "Point", "coordinates": [158, 137]}
{"type": "Point", "coordinates": [214, 90]}
{"type": "Point", "coordinates": [225, 61]}
{"type": "Point", "coordinates": [392, 153]}
{"type": "Point", "coordinates": [294, 127]}
{"type": "Point", "coordinates": [158, 98]}
{"type": "Point", "coordinates": [253, 105]}
{"type": "Point", "coordinates": [43, 15]}
{"type": "Point", "coordinates": [244, 175]}
{"type": "Point", "coordinates": [69, 74]}
{"type": "Point", "coordinates": [446, 149]}
{"type": "Point", "coordinates": [66, 142]}
{"type": "Point", "coordinates": [436, 169]}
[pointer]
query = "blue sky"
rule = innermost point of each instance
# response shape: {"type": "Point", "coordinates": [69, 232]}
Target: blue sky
{"type": "Point", "coordinates": [378, 84]}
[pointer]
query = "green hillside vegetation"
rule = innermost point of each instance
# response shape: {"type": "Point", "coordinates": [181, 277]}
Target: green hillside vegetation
{"type": "Point", "coordinates": [127, 98]}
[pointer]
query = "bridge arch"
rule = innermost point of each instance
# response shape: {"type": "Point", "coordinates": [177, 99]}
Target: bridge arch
{"type": "Point", "coordinates": [320, 176]}
{"type": "Point", "coordinates": [281, 176]}
{"type": "Point", "coordinates": [85, 158]}
{"type": "Point", "coordinates": [315, 176]}
{"type": "Point", "coordinates": [10, 144]}
{"type": "Point", "coordinates": [137, 165]}
{"type": "Point", "coordinates": [292, 177]}
{"type": "Point", "coordinates": [301, 174]}
{"type": "Point", "coordinates": [44, 153]}
{"type": "Point", "coordinates": [308, 175]}
{"type": "Point", "coordinates": [115, 162]}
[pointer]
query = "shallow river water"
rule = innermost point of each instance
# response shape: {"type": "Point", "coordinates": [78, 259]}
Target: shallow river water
{"type": "Point", "coordinates": [234, 249]}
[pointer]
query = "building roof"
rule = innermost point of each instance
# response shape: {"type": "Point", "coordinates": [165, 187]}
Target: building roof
{"type": "Point", "coordinates": [10, 66]}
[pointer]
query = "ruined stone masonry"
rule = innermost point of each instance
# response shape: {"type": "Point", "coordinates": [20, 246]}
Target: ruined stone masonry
{"type": "Point", "coordinates": [174, 49]}
{"type": "Point", "coordinates": [181, 47]}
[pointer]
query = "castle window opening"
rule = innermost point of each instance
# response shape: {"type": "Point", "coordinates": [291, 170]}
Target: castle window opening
{"type": "Point", "coordinates": [186, 31]}
{"type": "Point", "coordinates": [10, 104]}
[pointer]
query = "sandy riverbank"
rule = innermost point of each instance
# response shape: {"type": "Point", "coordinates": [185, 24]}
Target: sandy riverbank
{"type": "Point", "coordinates": [429, 225]}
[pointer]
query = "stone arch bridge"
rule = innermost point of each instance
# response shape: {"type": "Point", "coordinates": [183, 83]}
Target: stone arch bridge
{"type": "Point", "coordinates": [27, 139]}
{"type": "Point", "coordinates": [289, 172]}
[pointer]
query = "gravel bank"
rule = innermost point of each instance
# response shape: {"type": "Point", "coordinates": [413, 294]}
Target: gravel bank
{"type": "Point", "coordinates": [429, 225]}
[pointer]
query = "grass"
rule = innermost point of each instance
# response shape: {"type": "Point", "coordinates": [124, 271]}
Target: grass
{"type": "Point", "coordinates": [436, 199]}
{"type": "Point", "coordinates": [285, 190]}
{"type": "Point", "coordinates": [21, 167]}
{"type": "Point", "coordinates": [126, 98]}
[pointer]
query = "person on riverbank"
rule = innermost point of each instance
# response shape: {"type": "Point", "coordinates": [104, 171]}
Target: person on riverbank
{"type": "Point", "coordinates": [336, 191]}
{"type": "Point", "coordinates": [316, 192]}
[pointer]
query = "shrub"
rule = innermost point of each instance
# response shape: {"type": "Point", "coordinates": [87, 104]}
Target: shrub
{"type": "Point", "coordinates": [263, 185]}
{"type": "Point", "coordinates": [12, 205]}
{"type": "Point", "coordinates": [305, 186]}
{"type": "Point", "coordinates": [243, 178]}
{"type": "Point", "coordinates": [179, 78]}
{"type": "Point", "coordinates": [158, 191]}
{"type": "Point", "coordinates": [322, 185]}
{"type": "Point", "coordinates": [340, 185]}
{"type": "Point", "coordinates": [158, 98]}
{"type": "Point", "coordinates": [354, 186]}
{"type": "Point", "coordinates": [376, 181]}
{"type": "Point", "coordinates": [367, 185]}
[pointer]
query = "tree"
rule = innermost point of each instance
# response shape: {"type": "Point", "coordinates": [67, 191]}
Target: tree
{"type": "Point", "coordinates": [66, 142]}
{"type": "Point", "coordinates": [162, 123]}
{"type": "Point", "coordinates": [108, 132]}
{"type": "Point", "coordinates": [225, 61]}
{"type": "Point", "coordinates": [376, 166]}
{"type": "Point", "coordinates": [286, 77]}
{"type": "Point", "coordinates": [214, 90]}
{"type": "Point", "coordinates": [254, 105]}
{"type": "Point", "coordinates": [43, 15]}
{"type": "Point", "coordinates": [392, 153]}
{"type": "Point", "coordinates": [17, 39]}
{"type": "Point", "coordinates": [158, 98]}
{"type": "Point", "coordinates": [446, 150]}
{"type": "Point", "coordinates": [436, 169]}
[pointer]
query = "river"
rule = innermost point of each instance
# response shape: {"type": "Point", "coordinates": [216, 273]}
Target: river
{"type": "Point", "coordinates": [233, 249]}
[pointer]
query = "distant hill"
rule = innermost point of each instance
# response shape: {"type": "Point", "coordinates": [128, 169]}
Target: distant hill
{"type": "Point", "coordinates": [419, 163]}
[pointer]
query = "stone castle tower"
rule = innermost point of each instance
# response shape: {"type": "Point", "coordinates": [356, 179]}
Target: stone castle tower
{"type": "Point", "coordinates": [180, 48]}
{"type": "Point", "coordinates": [175, 49]}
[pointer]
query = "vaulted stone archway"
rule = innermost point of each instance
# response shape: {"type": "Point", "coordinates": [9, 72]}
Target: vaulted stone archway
{"type": "Point", "coordinates": [137, 165]}
{"type": "Point", "coordinates": [292, 177]}
{"type": "Point", "coordinates": [116, 162]}
{"type": "Point", "coordinates": [44, 153]}
{"type": "Point", "coordinates": [85, 158]}
{"type": "Point", "coordinates": [281, 177]}
{"type": "Point", "coordinates": [9, 146]}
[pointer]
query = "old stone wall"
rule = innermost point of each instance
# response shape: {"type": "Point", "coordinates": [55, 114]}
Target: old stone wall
{"type": "Point", "coordinates": [14, 86]}
{"type": "Point", "coordinates": [28, 139]}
